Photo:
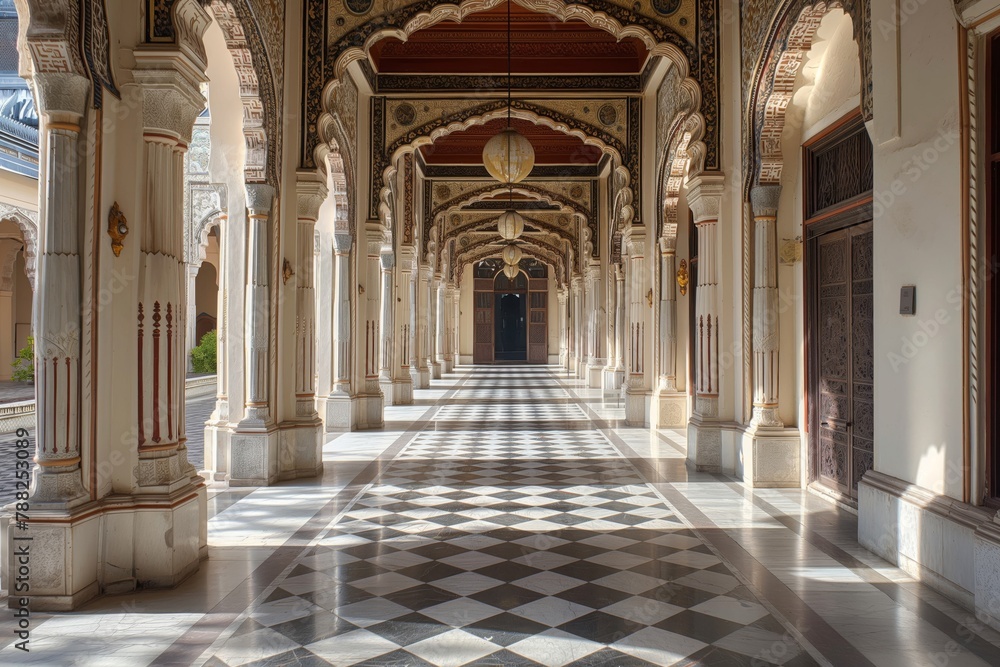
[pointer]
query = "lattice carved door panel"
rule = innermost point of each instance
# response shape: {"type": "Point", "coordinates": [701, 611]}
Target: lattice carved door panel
{"type": "Point", "coordinates": [843, 363]}
{"type": "Point", "coordinates": [482, 332]}
{"type": "Point", "coordinates": [538, 328]}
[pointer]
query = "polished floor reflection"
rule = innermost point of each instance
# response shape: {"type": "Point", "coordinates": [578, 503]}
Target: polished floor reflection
{"type": "Point", "coordinates": [508, 519]}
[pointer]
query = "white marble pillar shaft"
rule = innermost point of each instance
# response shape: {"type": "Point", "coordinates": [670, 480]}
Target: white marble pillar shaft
{"type": "Point", "coordinates": [305, 298]}
{"type": "Point", "coordinates": [765, 306]}
{"type": "Point", "coordinates": [386, 263]}
{"type": "Point", "coordinates": [561, 296]}
{"type": "Point", "coordinates": [433, 343]}
{"type": "Point", "coordinates": [257, 309]}
{"type": "Point", "coordinates": [342, 315]}
{"type": "Point", "coordinates": [668, 320]}
{"type": "Point", "coordinates": [57, 479]}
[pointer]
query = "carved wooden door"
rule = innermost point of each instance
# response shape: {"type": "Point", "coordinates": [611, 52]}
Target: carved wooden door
{"type": "Point", "coordinates": [842, 365]}
{"type": "Point", "coordinates": [482, 327]}
{"type": "Point", "coordinates": [538, 328]}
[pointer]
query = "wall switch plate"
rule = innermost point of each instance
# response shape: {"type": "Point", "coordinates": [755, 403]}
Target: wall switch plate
{"type": "Point", "coordinates": [908, 300]}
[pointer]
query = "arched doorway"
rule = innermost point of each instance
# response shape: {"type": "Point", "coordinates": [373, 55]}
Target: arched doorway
{"type": "Point", "coordinates": [511, 314]}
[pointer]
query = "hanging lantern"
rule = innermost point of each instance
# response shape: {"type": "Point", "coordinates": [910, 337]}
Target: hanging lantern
{"type": "Point", "coordinates": [511, 270]}
{"type": "Point", "coordinates": [509, 157]}
{"type": "Point", "coordinates": [510, 225]}
{"type": "Point", "coordinates": [511, 254]}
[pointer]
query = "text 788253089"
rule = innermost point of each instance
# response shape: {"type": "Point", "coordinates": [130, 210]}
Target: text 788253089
{"type": "Point", "coordinates": [21, 558]}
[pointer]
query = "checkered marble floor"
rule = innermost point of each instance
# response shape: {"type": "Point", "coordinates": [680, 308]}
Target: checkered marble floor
{"type": "Point", "coordinates": [508, 546]}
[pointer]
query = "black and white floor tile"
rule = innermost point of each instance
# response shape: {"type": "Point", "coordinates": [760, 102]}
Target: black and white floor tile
{"type": "Point", "coordinates": [509, 546]}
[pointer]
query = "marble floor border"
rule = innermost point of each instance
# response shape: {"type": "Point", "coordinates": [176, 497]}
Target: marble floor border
{"type": "Point", "coordinates": [812, 630]}
{"type": "Point", "coordinates": [788, 604]}
{"type": "Point", "coordinates": [971, 641]}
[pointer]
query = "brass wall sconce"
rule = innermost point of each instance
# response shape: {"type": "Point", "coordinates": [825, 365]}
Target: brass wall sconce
{"type": "Point", "coordinates": [117, 229]}
{"type": "Point", "coordinates": [286, 271]}
{"type": "Point", "coordinates": [649, 297]}
{"type": "Point", "coordinates": [682, 278]}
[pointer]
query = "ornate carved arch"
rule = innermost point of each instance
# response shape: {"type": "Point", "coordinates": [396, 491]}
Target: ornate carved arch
{"type": "Point", "coordinates": [465, 257]}
{"type": "Point", "coordinates": [257, 91]}
{"type": "Point", "coordinates": [525, 189]}
{"type": "Point", "coordinates": [673, 170]}
{"type": "Point", "coordinates": [789, 39]}
{"type": "Point", "coordinates": [27, 222]}
{"type": "Point", "coordinates": [541, 224]}
{"type": "Point", "coordinates": [626, 157]}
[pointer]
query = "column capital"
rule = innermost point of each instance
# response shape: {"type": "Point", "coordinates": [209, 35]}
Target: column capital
{"type": "Point", "coordinates": [405, 257]}
{"type": "Point", "coordinates": [668, 247]}
{"type": "Point", "coordinates": [260, 197]}
{"type": "Point", "coordinates": [62, 96]}
{"type": "Point", "coordinates": [705, 197]}
{"type": "Point", "coordinates": [310, 195]}
{"type": "Point", "coordinates": [764, 199]}
{"type": "Point", "coordinates": [342, 242]}
{"type": "Point", "coordinates": [387, 259]}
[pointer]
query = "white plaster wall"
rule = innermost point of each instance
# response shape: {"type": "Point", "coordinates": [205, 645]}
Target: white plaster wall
{"type": "Point", "coordinates": [918, 241]}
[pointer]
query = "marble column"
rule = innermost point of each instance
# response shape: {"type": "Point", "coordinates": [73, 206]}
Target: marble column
{"type": "Point", "coordinates": [614, 374]}
{"type": "Point", "coordinates": [415, 357]}
{"type": "Point", "coordinates": [387, 262]}
{"type": "Point", "coordinates": [597, 333]}
{"type": "Point", "coordinates": [192, 313]}
{"type": "Point", "coordinates": [562, 296]}
{"type": "Point", "coordinates": [339, 404]}
{"type": "Point", "coordinates": [454, 326]}
{"type": "Point", "coordinates": [433, 342]}
{"type": "Point", "coordinates": [637, 391]}
{"type": "Point", "coordinates": [579, 323]}
{"type": "Point", "coordinates": [171, 102]}
{"type": "Point", "coordinates": [449, 326]}
{"type": "Point", "coordinates": [254, 452]}
{"type": "Point", "coordinates": [370, 401]}
{"type": "Point", "coordinates": [442, 326]}
{"type": "Point", "coordinates": [307, 444]}
{"type": "Point", "coordinates": [217, 428]}
{"type": "Point", "coordinates": [57, 484]}
{"type": "Point", "coordinates": [402, 365]}
{"type": "Point", "coordinates": [423, 319]}
{"type": "Point", "coordinates": [771, 452]}
{"type": "Point", "coordinates": [704, 429]}
{"type": "Point", "coordinates": [671, 404]}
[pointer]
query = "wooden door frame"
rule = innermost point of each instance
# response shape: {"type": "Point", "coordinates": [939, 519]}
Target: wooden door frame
{"type": "Point", "coordinates": [847, 213]}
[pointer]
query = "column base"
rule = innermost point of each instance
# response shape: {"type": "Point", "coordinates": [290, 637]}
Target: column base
{"type": "Point", "coordinates": [771, 458]}
{"type": "Point", "coordinates": [435, 371]}
{"type": "Point", "coordinates": [397, 392]}
{"type": "Point", "coordinates": [423, 379]}
{"type": "Point", "coordinates": [338, 415]}
{"type": "Point", "coordinates": [369, 412]}
{"type": "Point", "coordinates": [449, 365]}
{"type": "Point", "coordinates": [614, 378]}
{"type": "Point", "coordinates": [300, 453]}
{"type": "Point", "coordinates": [217, 434]}
{"type": "Point", "coordinates": [636, 402]}
{"type": "Point", "coordinates": [671, 409]}
{"type": "Point", "coordinates": [254, 455]}
{"type": "Point", "coordinates": [704, 440]}
{"type": "Point", "coordinates": [581, 369]}
{"type": "Point", "coordinates": [595, 374]}
{"type": "Point", "coordinates": [157, 546]}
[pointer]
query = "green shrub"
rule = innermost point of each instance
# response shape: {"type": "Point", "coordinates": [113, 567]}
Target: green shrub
{"type": "Point", "coordinates": [24, 367]}
{"type": "Point", "coordinates": [203, 357]}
